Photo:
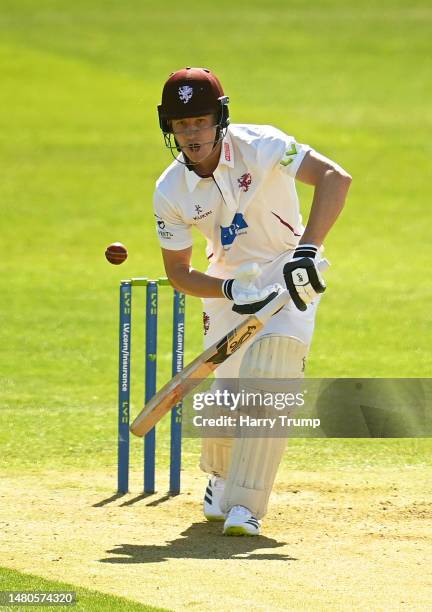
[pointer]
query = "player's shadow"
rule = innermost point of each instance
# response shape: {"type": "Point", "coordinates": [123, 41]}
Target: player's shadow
{"type": "Point", "coordinates": [199, 541]}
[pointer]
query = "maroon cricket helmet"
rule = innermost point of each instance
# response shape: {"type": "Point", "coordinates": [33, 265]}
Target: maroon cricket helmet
{"type": "Point", "coordinates": [192, 92]}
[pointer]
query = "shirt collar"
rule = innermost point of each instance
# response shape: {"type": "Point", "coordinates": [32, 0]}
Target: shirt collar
{"type": "Point", "coordinates": [226, 159]}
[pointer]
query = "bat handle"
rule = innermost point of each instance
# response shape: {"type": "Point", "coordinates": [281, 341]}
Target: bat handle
{"type": "Point", "coordinates": [323, 264]}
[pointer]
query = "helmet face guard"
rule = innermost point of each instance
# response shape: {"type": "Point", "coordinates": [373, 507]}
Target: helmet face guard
{"type": "Point", "coordinates": [220, 110]}
{"type": "Point", "coordinates": [192, 92]}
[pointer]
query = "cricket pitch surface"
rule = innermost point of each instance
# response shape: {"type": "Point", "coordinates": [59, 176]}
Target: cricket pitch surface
{"type": "Point", "coordinates": [339, 540]}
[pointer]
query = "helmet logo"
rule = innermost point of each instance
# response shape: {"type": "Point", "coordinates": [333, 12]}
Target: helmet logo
{"type": "Point", "coordinates": [185, 93]}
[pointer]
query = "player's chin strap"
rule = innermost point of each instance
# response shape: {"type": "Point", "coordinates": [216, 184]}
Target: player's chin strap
{"type": "Point", "coordinates": [220, 135]}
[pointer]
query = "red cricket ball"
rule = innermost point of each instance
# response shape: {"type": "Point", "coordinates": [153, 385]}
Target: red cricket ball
{"type": "Point", "coordinates": [116, 253]}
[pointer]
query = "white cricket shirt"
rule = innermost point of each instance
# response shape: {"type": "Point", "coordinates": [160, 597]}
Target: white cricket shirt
{"type": "Point", "coordinates": [248, 210]}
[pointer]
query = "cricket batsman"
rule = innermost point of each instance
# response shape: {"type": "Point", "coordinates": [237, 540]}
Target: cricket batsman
{"type": "Point", "coordinates": [236, 184]}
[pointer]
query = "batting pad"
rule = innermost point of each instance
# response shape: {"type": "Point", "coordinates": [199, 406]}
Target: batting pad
{"type": "Point", "coordinates": [216, 456]}
{"type": "Point", "coordinates": [254, 461]}
{"type": "Point", "coordinates": [216, 452]}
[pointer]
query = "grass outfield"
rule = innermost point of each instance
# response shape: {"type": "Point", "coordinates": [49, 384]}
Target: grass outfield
{"type": "Point", "coordinates": [80, 150]}
{"type": "Point", "coordinates": [85, 598]}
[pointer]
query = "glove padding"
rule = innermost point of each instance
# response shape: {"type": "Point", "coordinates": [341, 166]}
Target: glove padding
{"type": "Point", "coordinates": [252, 307]}
{"type": "Point", "coordinates": [302, 278]}
{"type": "Point", "coordinates": [242, 290]}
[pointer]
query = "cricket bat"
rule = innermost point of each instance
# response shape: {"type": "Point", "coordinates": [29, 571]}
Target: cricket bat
{"type": "Point", "coordinates": [191, 376]}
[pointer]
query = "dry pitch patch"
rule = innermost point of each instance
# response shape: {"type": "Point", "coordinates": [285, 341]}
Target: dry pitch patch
{"type": "Point", "coordinates": [332, 540]}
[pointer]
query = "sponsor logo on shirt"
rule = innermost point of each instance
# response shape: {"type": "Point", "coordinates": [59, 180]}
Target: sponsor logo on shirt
{"type": "Point", "coordinates": [289, 154]}
{"type": "Point", "coordinates": [229, 234]}
{"type": "Point", "coordinates": [244, 181]}
{"type": "Point", "coordinates": [227, 151]}
{"type": "Point", "coordinates": [161, 227]}
{"type": "Point", "coordinates": [200, 213]}
{"type": "Point", "coordinates": [166, 234]}
{"type": "Point", "coordinates": [206, 323]}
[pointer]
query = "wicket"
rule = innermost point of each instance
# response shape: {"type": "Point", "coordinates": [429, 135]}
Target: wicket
{"type": "Point", "coordinates": [125, 337]}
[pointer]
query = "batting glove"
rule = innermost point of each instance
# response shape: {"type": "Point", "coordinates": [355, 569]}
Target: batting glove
{"type": "Point", "coordinates": [247, 298]}
{"type": "Point", "coordinates": [302, 278]}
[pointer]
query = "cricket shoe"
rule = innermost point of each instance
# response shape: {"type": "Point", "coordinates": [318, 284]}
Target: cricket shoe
{"type": "Point", "coordinates": [240, 522]}
{"type": "Point", "coordinates": [212, 497]}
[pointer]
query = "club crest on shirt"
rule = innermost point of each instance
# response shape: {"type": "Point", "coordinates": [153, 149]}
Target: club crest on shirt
{"type": "Point", "coordinates": [229, 234]}
{"type": "Point", "coordinates": [244, 181]}
{"type": "Point", "coordinates": [185, 93]}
